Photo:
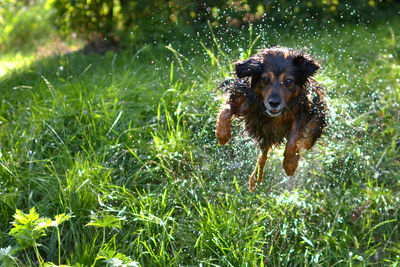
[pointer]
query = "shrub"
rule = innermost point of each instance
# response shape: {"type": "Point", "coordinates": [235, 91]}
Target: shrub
{"type": "Point", "coordinates": [24, 22]}
{"type": "Point", "coordinates": [104, 19]}
{"type": "Point", "coordinates": [111, 19]}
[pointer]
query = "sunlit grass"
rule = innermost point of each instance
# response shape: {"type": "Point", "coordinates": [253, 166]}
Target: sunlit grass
{"type": "Point", "coordinates": [9, 63]}
{"type": "Point", "coordinates": [124, 142]}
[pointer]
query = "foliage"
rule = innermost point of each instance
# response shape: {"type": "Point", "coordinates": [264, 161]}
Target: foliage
{"type": "Point", "coordinates": [156, 20]}
{"type": "Point", "coordinates": [24, 22]}
{"type": "Point", "coordinates": [27, 228]}
{"type": "Point", "coordinates": [106, 19]}
{"type": "Point", "coordinates": [238, 13]}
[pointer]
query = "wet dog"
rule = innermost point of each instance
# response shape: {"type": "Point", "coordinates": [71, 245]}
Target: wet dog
{"type": "Point", "coordinates": [275, 96]}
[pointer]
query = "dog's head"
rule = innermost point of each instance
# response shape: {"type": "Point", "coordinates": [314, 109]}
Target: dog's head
{"type": "Point", "coordinates": [277, 76]}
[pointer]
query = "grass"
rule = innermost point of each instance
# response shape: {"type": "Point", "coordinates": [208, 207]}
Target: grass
{"type": "Point", "coordinates": [124, 144]}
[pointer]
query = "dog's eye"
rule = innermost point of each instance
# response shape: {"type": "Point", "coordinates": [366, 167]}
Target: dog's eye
{"type": "Point", "coordinates": [266, 80]}
{"type": "Point", "coordinates": [288, 82]}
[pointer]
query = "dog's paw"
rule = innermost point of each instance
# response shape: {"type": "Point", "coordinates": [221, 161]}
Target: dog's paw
{"type": "Point", "coordinates": [223, 136]}
{"type": "Point", "coordinates": [290, 164]}
{"type": "Point", "coordinates": [252, 184]}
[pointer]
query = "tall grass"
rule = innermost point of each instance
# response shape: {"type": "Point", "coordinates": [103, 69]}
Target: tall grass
{"type": "Point", "coordinates": [125, 144]}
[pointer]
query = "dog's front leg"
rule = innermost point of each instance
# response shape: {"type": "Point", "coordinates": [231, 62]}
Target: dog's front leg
{"type": "Point", "coordinates": [258, 173]}
{"type": "Point", "coordinates": [224, 123]}
{"type": "Point", "coordinates": [292, 150]}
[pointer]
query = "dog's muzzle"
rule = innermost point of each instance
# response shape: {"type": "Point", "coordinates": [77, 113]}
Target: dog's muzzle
{"type": "Point", "coordinates": [274, 107]}
{"type": "Point", "coordinates": [273, 113]}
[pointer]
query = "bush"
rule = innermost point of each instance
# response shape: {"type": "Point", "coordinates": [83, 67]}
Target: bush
{"type": "Point", "coordinates": [112, 19]}
{"type": "Point", "coordinates": [24, 22]}
{"type": "Point", "coordinates": [104, 19]}
{"type": "Point", "coordinates": [237, 12]}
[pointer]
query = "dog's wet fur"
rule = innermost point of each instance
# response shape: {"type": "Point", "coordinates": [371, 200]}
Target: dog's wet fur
{"type": "Point", "coordinates": [275, 96]}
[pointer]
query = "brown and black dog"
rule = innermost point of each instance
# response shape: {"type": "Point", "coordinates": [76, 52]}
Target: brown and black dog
{"type": "Point", "coordinates": [275, 96]}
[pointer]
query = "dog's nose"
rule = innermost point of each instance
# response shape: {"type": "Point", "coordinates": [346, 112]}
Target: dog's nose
{"type": "Point", "coordinates": [274, 102]}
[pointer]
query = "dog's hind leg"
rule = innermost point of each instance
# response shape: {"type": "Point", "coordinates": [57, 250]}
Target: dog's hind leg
{"type": "Point", "coordinates": [224, 123]}
{"type": "Point", "coordinates": [258, 173]}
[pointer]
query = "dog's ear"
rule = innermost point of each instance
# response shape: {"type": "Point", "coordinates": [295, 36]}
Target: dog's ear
{"type": "Point", "coordinates": [248, 68]}
{"type": "Point", "coordinates": [306, 64]}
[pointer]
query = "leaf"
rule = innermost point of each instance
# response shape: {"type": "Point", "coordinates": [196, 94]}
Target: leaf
{"type": "Point", "coordinates": [116, 259]}
{"type": "Point", "coordinates": [60, 218]}
{"type": "Point", "coordinates": [43, 223]}
{"type": "Point", "coordinates": [308, 241]}
{"type": "Point", "coordinates": [108, 221]}
{"type": "Point", "coordinates": [6, 257]}
{"type": "Point", "coordinates": [27, 228]}
{"type": "Point", "coordinates": [24, 218]}
{"type": "Point", "coordinates": [5, 252]}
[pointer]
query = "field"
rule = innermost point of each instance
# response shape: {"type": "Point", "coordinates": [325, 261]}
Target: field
{"type": "Point", "coordinates": [116, 153]}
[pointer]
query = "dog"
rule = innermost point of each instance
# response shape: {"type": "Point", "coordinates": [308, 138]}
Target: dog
{"type": "Point", "coordinates": [277, 99]}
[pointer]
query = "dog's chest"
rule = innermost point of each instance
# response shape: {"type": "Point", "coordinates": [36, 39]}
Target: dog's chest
{"type": "Point", "coordinates": [268, 131]}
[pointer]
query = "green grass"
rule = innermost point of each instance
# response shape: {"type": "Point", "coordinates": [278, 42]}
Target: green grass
{"type": "Point", "coordinates": [124, 143]}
